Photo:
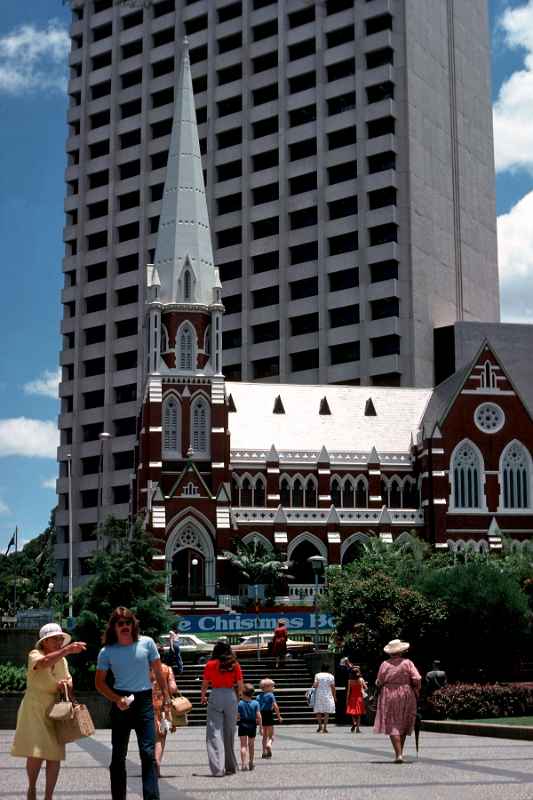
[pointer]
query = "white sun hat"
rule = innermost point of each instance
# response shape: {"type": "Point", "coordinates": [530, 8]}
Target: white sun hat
{"type": "Point", "coordinates": [396, 646]}
{"type": "Point", "coordinates": [53, 629]}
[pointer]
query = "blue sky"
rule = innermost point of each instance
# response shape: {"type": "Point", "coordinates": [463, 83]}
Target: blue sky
{"type": "Point", "coordinates": [33, 52]}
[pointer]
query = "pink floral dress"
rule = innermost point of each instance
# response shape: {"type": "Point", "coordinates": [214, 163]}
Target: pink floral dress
{"type": "Point", "coordinates": [396, 710]}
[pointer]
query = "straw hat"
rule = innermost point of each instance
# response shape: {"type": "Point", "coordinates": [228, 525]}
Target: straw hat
{"type": "Point", "coordinates": [396, 646]}
{"type": "Point", "coordinates": [53, 629]}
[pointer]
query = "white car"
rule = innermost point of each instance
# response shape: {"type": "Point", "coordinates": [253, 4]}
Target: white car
{"type": "Point", "coordinates": [192, 648]}
{"type": "Point", "coordinates": [261, 642]}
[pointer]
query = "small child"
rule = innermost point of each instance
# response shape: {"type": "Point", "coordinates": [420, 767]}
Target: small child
{"type": "Point", "coordinates": [248, 718]}
{"type": "Point", "coordinates": [268, 707]}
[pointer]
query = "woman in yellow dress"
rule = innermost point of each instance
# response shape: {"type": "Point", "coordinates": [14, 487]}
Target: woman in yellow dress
{"type": "Point", "coordinates": [35, 736]}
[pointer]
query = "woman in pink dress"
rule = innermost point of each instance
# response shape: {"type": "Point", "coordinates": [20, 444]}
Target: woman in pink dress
{"type": "Point", "coordinates": [398, 682]}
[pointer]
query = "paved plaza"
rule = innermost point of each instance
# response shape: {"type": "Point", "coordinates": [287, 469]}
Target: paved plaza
{"type": "Point", "coordinates": [305, 766]}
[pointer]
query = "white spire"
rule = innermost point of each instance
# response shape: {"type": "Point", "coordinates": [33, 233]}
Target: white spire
{"type": "Point", "coordinates": [184, 234]}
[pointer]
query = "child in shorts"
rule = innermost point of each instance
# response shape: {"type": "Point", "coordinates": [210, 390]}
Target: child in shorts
{"type": "Point", "coordinates": [248, 718]}
{"type": "Point", "coordinates": [268, 707]}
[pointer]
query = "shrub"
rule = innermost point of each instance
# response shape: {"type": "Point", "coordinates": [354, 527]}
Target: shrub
{"type": "Point", "coordinates": [12, 678]}
{"type": "Point", "coordinates": [478, 701]}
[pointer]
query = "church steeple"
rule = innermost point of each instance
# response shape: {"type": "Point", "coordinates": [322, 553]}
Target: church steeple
{"type": "Point", "coordinates": [184, 251]}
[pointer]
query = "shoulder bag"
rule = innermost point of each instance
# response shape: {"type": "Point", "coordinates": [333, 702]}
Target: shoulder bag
{"type": "Point", "coordinates": [179, 707]}
{"type": "Point", "coordinates": [76, 725]}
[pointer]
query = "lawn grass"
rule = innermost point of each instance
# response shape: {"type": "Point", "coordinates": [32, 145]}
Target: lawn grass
{"type": "Point", "coordinates": [528, 721]}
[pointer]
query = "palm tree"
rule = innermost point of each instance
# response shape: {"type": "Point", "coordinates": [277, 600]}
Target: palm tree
{"type": "Point", "coordinates": [256, 564]}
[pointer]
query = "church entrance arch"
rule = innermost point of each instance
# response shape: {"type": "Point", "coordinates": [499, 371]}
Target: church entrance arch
{"type": "Point", "coordinates": [190, 562]}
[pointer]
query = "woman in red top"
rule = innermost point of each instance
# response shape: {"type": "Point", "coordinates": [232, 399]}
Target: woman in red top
{"type": "Point", "coordinates": [224, 675]}
{"type": "Point", "coordinates": [279, 642]}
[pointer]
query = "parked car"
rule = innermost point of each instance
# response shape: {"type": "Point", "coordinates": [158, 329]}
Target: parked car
{"type": "Point", "coordinates": [192, 648]}
{"type": "Point", "coordinates": [262, 641]}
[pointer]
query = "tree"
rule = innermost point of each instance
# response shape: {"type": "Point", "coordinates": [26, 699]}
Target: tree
{"type": "Point", "coordinates": [34, 569]}
{"type": "Point", "coordinates": [256, 564]}
{"type": "Point", "coordinates": [122, 576]}
{"type": "Point", "coordinates": [372, 610]}
{"type": "Point", "coordinates": [488, 616]}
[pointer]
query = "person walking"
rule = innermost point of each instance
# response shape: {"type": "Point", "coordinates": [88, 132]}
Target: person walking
{"type": "Point", "coordinates": [268, 706]}
{"type": "Point", "coordinates": [435, 679]}
{"type": "Point", "coordinates": [175, 650]}
{"type": "Point", "coordinates": [355, 704]}
{"type": "Point", "coordinates": [224, 675]}
{"type": "Point", "coordinates": [325, 697]}
{"type": "Point", "coordinates": [35, 735]}
{"type": "Point", "coordinates": [130, 657]}
{"type": "Point", "coordinates": [162, 715]}
{"type": "Point", "coordinates": [279, 642]}
{"type": "Point", "coordinates": [248, 718]}
{"type": "Point", "coordinates": [398, 682]}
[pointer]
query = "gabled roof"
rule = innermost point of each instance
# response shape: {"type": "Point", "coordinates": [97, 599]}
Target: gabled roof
{"type": "Point", "coordinates": [446, 392]}
{"type": "Point", "coordinates": [399, 413]}
{"type": "Point", "coordinates": [184, 232]}
{"type": "Point", "coordinates": [190, 472]}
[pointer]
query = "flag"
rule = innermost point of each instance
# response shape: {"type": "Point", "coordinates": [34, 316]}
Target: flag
{"type": "Point", "coordinates": [12, 543]}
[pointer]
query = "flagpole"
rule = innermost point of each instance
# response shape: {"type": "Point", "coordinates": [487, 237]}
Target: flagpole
{"type": "Point", "coordinates": [70, 558]}
{"type": "Point", "coordinates": [15, 572]}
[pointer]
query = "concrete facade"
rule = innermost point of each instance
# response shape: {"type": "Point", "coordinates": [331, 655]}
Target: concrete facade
{"type": "Point", "coordinates": [347, 153]}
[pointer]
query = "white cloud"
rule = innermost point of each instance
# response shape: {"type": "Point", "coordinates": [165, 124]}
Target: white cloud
{"type": "Point", "coordinates": [513, 110]}
{"type": "Point", "coordinates": [515, 256]}
{"type": "Point", "coordinates": [46, 384]}
{"type": "Point", "coordinates": [4, 508]}
{"type": "Point", "coordinates": [49, 483]}
{"type": "Point", "coordinates": [34, 58]}
{"type": "Point", "coordinates": [34, 438]}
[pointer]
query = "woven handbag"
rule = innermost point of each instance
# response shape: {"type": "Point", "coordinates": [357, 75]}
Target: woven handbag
{"type": "Point", "coordinates": [77, 725]}
{"type": "Point", "coordinates": [179, 707]}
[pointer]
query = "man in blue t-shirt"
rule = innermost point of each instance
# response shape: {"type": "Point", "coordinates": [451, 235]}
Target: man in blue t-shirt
{"type": "Point", "coordinates": [129, 657]}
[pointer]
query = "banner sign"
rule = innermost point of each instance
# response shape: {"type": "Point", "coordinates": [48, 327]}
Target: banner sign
{"type": "Point", "coordinates": [252, 623]}
{"type": "Point", "coordinates": [34, 618]}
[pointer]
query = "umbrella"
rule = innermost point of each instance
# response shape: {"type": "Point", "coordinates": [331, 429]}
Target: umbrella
{"type": "Point", "coordinates": [418, 728]}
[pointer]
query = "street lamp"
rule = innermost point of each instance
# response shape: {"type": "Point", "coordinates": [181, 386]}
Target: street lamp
{"type": "Point", "coordinates": [70, 559]}
{"type": "Point", "coordinates": [317, 562]}
{"type": "Point", "coordinates": [193, 562]}
{"type": "Point", "coordinates": [49, 591]}
{"type": "Point", "coordinates": [104, 437]}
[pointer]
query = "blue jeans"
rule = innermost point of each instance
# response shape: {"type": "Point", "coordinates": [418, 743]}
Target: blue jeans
{"type": "Point", "coordinates": [140, 718]}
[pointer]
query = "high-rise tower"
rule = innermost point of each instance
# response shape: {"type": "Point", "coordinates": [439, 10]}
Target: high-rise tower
{"type": "Point", "coordinates": [347, 152]}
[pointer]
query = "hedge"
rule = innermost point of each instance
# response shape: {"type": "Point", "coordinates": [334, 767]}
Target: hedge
{"type": "Point", "coordinates": [478, 701]}
{"type": "Point", "coordinates": [12, 678]}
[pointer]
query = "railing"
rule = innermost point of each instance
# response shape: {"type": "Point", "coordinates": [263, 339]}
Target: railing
{"type": "Point", "coordinates": [366, 516]}
{"type": "Point", "coordinates": [305, 590]}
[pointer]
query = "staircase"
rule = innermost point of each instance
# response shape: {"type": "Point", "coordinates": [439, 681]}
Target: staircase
{"type": "Point", "coordinates": [291, 679]}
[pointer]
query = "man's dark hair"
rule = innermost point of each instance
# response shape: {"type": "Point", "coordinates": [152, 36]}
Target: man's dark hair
{"type": "Point", "coordinates": [121, 612]}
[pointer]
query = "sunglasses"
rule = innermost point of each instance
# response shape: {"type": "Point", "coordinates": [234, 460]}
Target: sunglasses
{"type": "Point", "coordinates": [122, 623]}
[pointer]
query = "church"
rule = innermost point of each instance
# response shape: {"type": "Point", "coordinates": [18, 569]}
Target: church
{"type": "Point", "coordinates": [303, 469]}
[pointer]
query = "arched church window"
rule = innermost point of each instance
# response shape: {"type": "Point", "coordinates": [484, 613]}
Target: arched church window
{"type": "Point", "coordinates": [171, 424]}
{"type": "Point", "coordinates": [348, 495]}
{"type": "Point", "coordinates": [310, 494]}
{"type": "Point", "coordinates": [234, 491]}
{"type": "Point", "coordinates": [297, 493]}
{"type": "Point", "coordinates": [361, 494]}
{"type": "Point", "coordinates": [515, 476]}
{"type": "Point", "coordinates": [466, 472]}
{"type": "Point", "coordinates": [164, 339]}
{"type": "Point", "coordinates": [384, 492]}
{"type": "Point", "coordinates": [336, 496]}
{"type": "Point", "coordinates": [186, 348]}
{"type": "Point", "coordinates": [200, 426]}
{"type": "Point", "coordinates": [285, 493]}
{"type": "Point", "coordinates": [246, 492]}
{"type": "Point", "coordinates": [395, 495]}
{"type": "Point", "coordinates": [259, 493]}
{"type": "Point", "coordinates": [187, 285]}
